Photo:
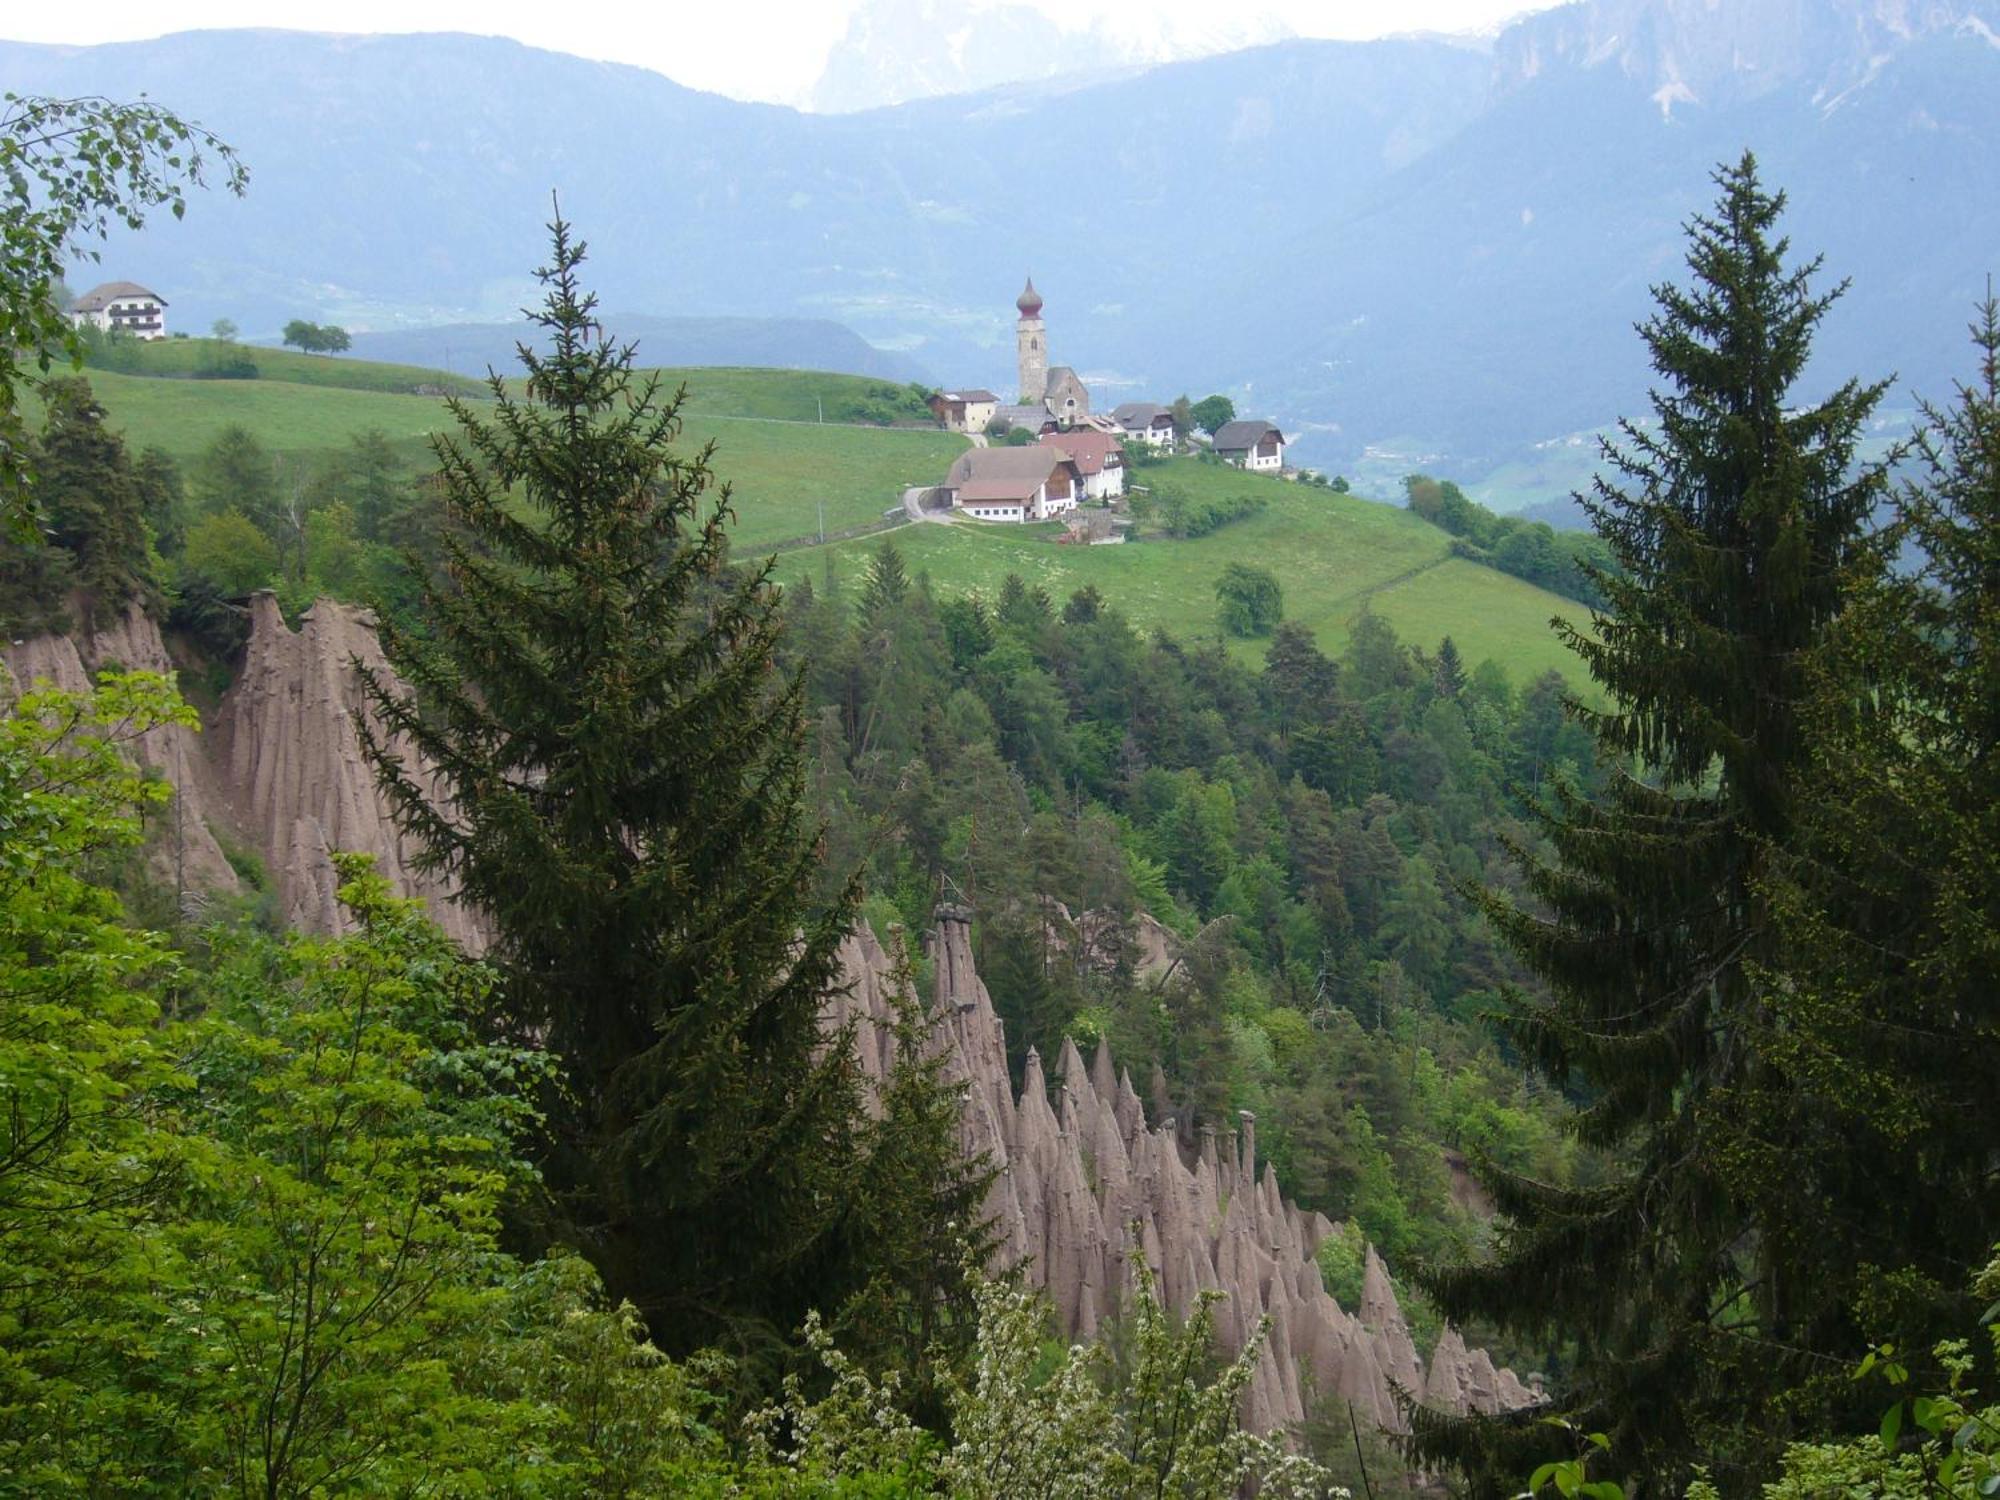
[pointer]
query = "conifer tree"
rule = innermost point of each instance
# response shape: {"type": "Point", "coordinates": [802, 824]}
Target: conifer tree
{"type": "Point", "coordinates": [1884, 1005]}
{"type": "Point", "coordinates": [1737, 522]}
{"type": "Point", "coordinates": [623, 772]}
{"type": "Point", "coordinates": [94, 505]}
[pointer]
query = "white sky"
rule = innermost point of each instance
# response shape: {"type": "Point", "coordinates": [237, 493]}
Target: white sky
{"type": "Point", "coordinates": [750, 49]}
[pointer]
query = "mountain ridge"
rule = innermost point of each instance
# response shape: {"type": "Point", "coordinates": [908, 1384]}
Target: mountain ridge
{"type": "Point", "coordinates": [1408, 251]}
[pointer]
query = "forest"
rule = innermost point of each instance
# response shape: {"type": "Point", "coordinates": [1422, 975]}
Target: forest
{"type": "Point", "coordinates": [1648, 1032]}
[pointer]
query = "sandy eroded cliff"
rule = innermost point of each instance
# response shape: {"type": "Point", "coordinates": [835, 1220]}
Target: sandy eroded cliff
{"type": "Point", "coordinates": [1085, 1179]}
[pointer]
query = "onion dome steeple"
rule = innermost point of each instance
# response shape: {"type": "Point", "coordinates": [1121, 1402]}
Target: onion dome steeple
{"type": "Point", "coordinates": [1030, 301]}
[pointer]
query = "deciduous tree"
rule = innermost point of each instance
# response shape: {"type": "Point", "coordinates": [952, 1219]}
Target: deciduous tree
{"type": "Point", "coordinates": [71, 169]}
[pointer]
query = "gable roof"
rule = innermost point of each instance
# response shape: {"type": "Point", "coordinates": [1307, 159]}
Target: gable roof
{"type": "Point", "coordinates": [103, 295]}
{"type": "Point", "coordinates": [968, 396]}
{"type": "Point", "coordinates": [1005, 473]}
{"type": "Point", "coordinates": [1030, 417]}
{"type": "Point", "coordinates": [1091, 450]}
{"type": "Point", "coordinates": [1245, 433]}
{"type": "Point", "coordinates": [1132, 415]}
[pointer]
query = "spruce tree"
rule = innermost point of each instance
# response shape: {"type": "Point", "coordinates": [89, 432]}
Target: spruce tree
{"type": "Point", "coordinates": [1738, 522]}
{"type": "Point", "coordinates": [1888, 901]}
{"type": "Point", "coordinates": [94, 505]}
{"type": "Point", "coordinates": [622, 770]}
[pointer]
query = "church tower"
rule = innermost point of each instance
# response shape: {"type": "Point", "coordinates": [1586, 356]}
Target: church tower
{"type": "Point", "coordinates": [1033, 347]}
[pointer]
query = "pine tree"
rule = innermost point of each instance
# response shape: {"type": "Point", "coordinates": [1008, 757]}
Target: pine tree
{"type": "Point", "coordinates": [1737, 523]}
{"type": "Point", "coordinates": [1889, 905]}
{"type": "Point", "coordinates": [623, 771]}
{"type": "Point", "coordinates": [95, 509]}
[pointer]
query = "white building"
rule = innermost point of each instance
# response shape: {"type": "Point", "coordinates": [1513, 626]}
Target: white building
{"type": "Point", "coordinates": [1031, 483]}
{"type": "Point", "coordinates": [121, 307]}
{"type": "Point", "coordinates": [964, 411]}
{"type": "Point", "coordinates": [1251, 443]}
{"type": "Point", "coordinates": [1098, 459]}
{"type": "Point", "coordinates": [1146, 422]}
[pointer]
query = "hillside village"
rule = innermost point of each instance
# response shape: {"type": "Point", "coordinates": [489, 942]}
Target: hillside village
{"type": "Point", "coordinates": [1055, 453]}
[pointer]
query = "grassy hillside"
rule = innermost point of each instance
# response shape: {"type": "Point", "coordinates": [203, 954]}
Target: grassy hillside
{"type": "Point", "coordinates": [780, 470]}
{"type": "Point", "coordinates": [1333, 554]}
{"type": "Point", "coordinates": [183, 358]}
{"type": "Point", "coordinates": [785, 395]}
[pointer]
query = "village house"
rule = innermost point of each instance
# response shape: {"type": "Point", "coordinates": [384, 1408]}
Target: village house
{"type": "Point", "coordinates": [121, 307]}
{"type": "Point", "coordinates": [1251, 443]}
{"type": "Point", "coordinates": [1099, 460]}
{"type": "Point", "coordinates": [1145, 422]}
{"type": "Point", "coordinates": [1032, 483]}
{"type": "Point", "coordinates": [964, 411]}
{"type": "Point", "coordinates": [1034, 420]}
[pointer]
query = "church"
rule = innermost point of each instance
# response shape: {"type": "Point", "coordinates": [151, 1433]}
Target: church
{"type": "Point", "coordinates": [1051, 396]}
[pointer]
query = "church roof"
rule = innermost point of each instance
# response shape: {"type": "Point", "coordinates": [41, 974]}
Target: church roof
{"type": "Point", "coordinates": [1030, 300]}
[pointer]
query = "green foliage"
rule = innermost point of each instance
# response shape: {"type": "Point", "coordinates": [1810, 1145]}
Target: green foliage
{"type": "Point", "coordinates": [1564, 562]}
{"type": "Point", "coordinates": [315, 338]}
{"type": "Point", "coordinates": [73, 169]}
{"type": "Point", "coordinates": [1738, 530]}
{"type": "Point", "coordinates": [229, 555]}
{"type": "Point", "coordinates": [91, 498]}
{"type": "Point", "coordinates": [625, 770]}
{"type": "Point", "coordinates": [1211, 412]}
{"type": "Point", "coordinates": [1078, 1431]}
{"type": "Point", "coordinates": [1248, 600]}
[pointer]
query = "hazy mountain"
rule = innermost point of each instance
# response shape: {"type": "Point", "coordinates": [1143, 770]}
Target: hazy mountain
{"type": "Point", "coordinates": [776, 343]}
{"type": "Point", "coordinates": [897, 50]}
{"type": "Point", "coordinates": [1409, 252]}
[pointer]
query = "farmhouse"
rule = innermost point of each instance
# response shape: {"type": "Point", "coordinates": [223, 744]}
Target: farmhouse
{"type": "Point", "coordinates": [1145, 422]}
{"type": "Point", "coordinates": [121, 307]}
{"type": "Point", "coordinates": [1098, 459]}
{"type": "Point", "coordinates": [1032, 483]}
{"type": "Point", "coordinates": [1251, 443]}
{"type": "Point", "coordinates": [964, 411]}
{"type": "Point", "coordinates": [1034, 419]}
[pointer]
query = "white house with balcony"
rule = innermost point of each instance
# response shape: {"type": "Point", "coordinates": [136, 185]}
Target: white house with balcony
{"type": "Point", "coordinates": [1030, 483]}
{"type": "Point", "coordinates": [1251, 443]}
{"type": "Point", "coordinates": [121, 307]}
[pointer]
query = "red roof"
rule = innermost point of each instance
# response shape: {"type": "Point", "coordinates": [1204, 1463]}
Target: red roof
{"type": "Point", "coordinates": [1093, 451]}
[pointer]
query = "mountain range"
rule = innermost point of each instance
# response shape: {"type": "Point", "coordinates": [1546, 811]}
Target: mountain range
{"type": "Point", "coordinates": [1409, 252]}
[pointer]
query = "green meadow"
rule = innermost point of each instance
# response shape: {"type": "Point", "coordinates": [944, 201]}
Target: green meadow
{"type": "Point", "coordinates": [781, 471]}
{"type": "Point", "coordinates": [1334, 555]}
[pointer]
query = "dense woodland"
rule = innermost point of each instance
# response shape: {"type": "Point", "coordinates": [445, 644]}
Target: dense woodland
{"type": "Point", "coordinates": [1650, 1034]}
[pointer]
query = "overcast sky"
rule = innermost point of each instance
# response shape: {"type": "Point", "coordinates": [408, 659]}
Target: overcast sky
{"type": "Point", "coordinates": [750, 49]}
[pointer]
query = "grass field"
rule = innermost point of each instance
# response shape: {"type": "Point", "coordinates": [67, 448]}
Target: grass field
{"type": "Point", "coordinates": [181, 358]}
{"type": "Point", "coordinates": [780, 470]}
{"type": "Point", "coordinates": [1334, 555]}
{"type": "Point", "coordinates": [784, 395]}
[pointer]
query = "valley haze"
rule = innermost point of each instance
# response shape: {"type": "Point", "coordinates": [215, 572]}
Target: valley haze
{"type": "Point", "coordinates": [1411, 253]}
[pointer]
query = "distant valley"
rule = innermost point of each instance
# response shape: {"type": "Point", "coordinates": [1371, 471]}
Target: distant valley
{"type": "Point", "coordinates": [1411, 254]}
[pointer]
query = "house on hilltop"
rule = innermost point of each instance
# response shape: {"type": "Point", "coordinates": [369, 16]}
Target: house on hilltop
{"type": "Point", "coordinates": [1099, 461]}
{"type": "Point", "coordinates": [1145, 422]}
{"type": "Point", "coordinates": [964, 411]}
{"type": "Point", "coordinates": [1030, 419]}
{"type": "Point", "coordinates": [121, 307]}
{"type": "Point", "coordinates": [1032, 483]}
{"type": "Point", "coordinates": [1251, 443]}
